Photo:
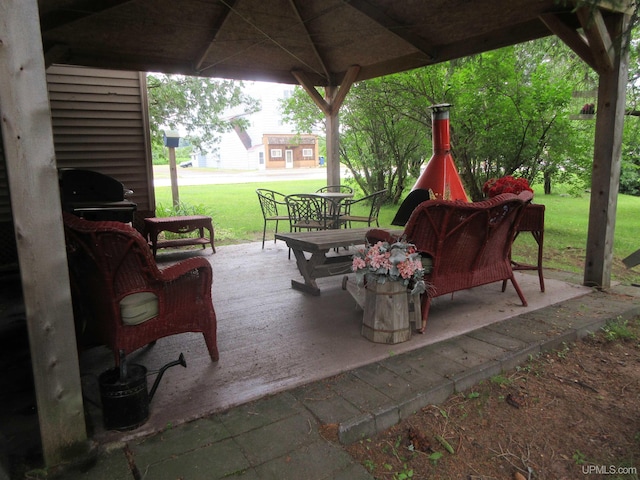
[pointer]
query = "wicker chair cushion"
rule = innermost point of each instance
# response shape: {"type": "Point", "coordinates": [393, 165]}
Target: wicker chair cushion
{"type": "Point", "coordinates": [137, 308]}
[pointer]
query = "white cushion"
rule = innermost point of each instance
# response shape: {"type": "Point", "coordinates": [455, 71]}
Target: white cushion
{"type": "Point", "coordinates": [138, 307]}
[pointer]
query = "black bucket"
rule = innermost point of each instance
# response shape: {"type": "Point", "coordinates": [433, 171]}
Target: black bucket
{"type": "Point", "coordinates": [125, 402]}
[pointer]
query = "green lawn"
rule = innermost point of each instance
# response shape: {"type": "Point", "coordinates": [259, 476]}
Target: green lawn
{"type": "Point", "coordinates": [237, 218]}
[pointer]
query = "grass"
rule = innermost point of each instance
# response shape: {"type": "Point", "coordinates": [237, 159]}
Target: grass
{"type": "Point", "coordinates": [237, 219]}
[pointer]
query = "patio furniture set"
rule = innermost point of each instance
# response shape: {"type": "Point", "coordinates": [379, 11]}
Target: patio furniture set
{"type": "Point", "coordinates": [123, 300]}
{"type": "Point", "coordinates": [329, 208]}
{"type": "Point", "coordinates": [466, 244]}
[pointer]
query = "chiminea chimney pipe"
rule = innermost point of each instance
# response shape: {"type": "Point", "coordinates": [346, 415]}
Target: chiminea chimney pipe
{"type": "Point", "coordinates": [440, 177]}
{"type": "Point", "coordinates": [441, 174]}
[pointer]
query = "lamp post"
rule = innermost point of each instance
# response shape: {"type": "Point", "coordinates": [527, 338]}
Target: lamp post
{"type": "Point", "coordinates": [171, 141]}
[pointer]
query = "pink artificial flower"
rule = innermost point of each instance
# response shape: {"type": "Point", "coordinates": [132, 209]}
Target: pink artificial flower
{"type": "Point", "coordinates": [406, 269]}
{"type": "Point", "coordinates": [358, 263]}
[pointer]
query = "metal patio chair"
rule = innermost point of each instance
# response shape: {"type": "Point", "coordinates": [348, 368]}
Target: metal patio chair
{"type": "Point", "coordinates": [335, 188]}
{"type": "Point", "coordinates": [312, 212]}
{"type": "Point", "coordinates": [374, 202]}
{"type": "Point", "coordinates": [274, 207]}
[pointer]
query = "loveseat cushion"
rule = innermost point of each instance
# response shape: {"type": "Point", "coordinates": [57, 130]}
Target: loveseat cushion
{"type": "Point", "coordinates": [138, 308]}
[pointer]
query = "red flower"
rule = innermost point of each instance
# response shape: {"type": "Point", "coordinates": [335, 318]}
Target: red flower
{"type": "Point", "coordinates": [506, 184]}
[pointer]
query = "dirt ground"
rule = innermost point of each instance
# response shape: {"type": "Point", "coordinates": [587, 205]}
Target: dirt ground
{"type": "Point", "coordinates": [569, 414]}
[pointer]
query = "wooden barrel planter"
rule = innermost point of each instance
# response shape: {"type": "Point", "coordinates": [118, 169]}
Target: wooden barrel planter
{"type": "Point", "coordinates": [386, 313]}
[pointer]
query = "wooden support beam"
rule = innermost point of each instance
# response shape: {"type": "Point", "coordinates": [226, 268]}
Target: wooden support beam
{"type": "Point", "coordinates": [345, 86]}
{"type": "Point", "coordinates": [333, 140]}
{"type": "Point", "coordinates": [330, 106]}
{"type": "Point", "coordinates": [605, 175]}
{"type": "Point", "coordinates": [598, 37]}
{"type": "Point", "coordinates": [310, 88]}
{"type": "Point", "coordinates": [571, 37]}
{"type": "Point", "coordinates": [37, 217]}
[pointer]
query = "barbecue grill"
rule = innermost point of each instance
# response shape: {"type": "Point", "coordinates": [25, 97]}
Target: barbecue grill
{"type": "Point", "coordinates": [94, 196]}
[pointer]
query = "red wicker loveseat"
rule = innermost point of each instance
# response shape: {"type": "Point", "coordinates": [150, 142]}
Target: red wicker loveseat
{"type": "Point", "coordinates": [469, 243]}
{"type": "Point", "coordinates": [123, 299]}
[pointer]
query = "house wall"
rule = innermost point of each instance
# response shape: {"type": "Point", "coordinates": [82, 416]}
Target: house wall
{"type": "Point", "coordinates": [276, 145]}
{"type": "Point", "coordinates": [100, 122]}
{"type": "Point", "coordinates": [242, 150]}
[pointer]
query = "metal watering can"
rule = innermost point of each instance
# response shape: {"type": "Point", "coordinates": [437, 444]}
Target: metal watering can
{"type": "Point", "coordinates": [123, 390]}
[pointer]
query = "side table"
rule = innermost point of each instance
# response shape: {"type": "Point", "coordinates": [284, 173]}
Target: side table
{"type": "Point", "coordinates": [532, 220]}
{"type": "Point", "coordinates": [179, 225]}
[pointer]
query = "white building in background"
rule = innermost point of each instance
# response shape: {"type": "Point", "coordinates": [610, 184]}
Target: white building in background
{"type": "Point", "coordinates": [245, 150]}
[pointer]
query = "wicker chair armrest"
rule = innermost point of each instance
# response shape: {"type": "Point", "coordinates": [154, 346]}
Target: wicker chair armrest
{"type": "Point", "coordinates": [375, 235]}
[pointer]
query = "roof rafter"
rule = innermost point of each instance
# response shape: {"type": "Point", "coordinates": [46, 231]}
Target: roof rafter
{"type": "Point", "coordinates": [215, 29]}
{"type": "Point", "coordinates": [265, 38]}
{"type": "Point", "coordinates": [303, 24]}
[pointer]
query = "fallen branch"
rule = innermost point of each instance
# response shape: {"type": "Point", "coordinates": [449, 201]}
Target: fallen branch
{"type": "Point", "coordinates": [577, 382]}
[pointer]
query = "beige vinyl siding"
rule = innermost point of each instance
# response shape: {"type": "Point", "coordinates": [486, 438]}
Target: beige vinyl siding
{"type": "Point", "coordinates": [100, 122]}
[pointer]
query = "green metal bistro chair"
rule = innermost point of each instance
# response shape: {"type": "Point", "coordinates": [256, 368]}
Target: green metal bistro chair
{"type": "Point", "coordinates": [311, 212]}
{"type": "Point", "coordinates": [373, 201]}
{"type": "Point", "coordinates": [335, 188]}
{"type": "Point", "coordinates": [273, 207]}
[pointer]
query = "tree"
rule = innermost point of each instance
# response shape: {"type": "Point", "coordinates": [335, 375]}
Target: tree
{"type": "Point", "coordinates": [510, 116]}
{"type": "Point", "coordinates": [195, 104]}
{"type": "Point", "coordinates": [378, 142]}
{"type": "Point", "coordinates": [630, 174]}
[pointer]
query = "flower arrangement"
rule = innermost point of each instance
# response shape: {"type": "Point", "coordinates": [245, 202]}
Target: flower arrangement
{"type": "Point", "coordinates": [506, 184]}
{"type": "Point", "coordinates": [399, 261]}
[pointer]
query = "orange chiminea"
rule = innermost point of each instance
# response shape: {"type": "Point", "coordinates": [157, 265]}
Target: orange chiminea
{"type": "Point", "coordinates": [441, 175]}
{"type": "Point", "coordinates": [440, 178]}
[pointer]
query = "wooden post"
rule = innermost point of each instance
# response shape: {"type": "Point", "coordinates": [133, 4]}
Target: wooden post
{"type": "Point", "coordinates": [330, 106]}
{"type": "Point", "coordinates": [606, 161]}
{"type": "Point", "coordinates": [37, 216]}
{"type": "Point", "coordinates": [332, 120]}
{"type": "Point", "coordinates": [174, 176]}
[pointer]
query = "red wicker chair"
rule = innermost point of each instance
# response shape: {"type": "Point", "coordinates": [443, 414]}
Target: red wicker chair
{"type": "Point", "coordinates": [110, 265]}
{"type": "Point", "coordinates": [469, 243]}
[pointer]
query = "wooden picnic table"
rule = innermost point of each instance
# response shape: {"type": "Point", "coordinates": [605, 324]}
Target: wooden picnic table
{"type": "Point", "coordinates": [319, 244]}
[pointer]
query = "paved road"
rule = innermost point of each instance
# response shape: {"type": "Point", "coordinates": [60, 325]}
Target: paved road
{"type": "Point", "coordinates": [198, 176]}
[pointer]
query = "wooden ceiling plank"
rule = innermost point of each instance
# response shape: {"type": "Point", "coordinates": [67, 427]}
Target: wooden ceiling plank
{"type": "Point", "coordinates": [55, 54]}
{"type": "Point", "coordinates": [598, 37]}
{"type": "Point", "coordinates": [77, 11]}
{"type": "Point", "coordinates": [215, 29]}
{"type": "Point", "coordinates": [266, 38]}
{"type": "Point", "coordinates": [570, 37]}
{"type": "Point", "coordinates": [314, 47]}
{"type": "Point", "coordinates": [399, 30]}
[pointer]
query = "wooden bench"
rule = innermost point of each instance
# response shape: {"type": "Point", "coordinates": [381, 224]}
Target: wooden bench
{"type": "Point", "coordinates": [318, 244]}
{"type": "Point", "coordinates": [179, 225]}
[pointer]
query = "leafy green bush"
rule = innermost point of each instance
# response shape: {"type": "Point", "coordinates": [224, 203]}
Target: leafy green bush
{"type": "Point", "coordinates": [182, 209]}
